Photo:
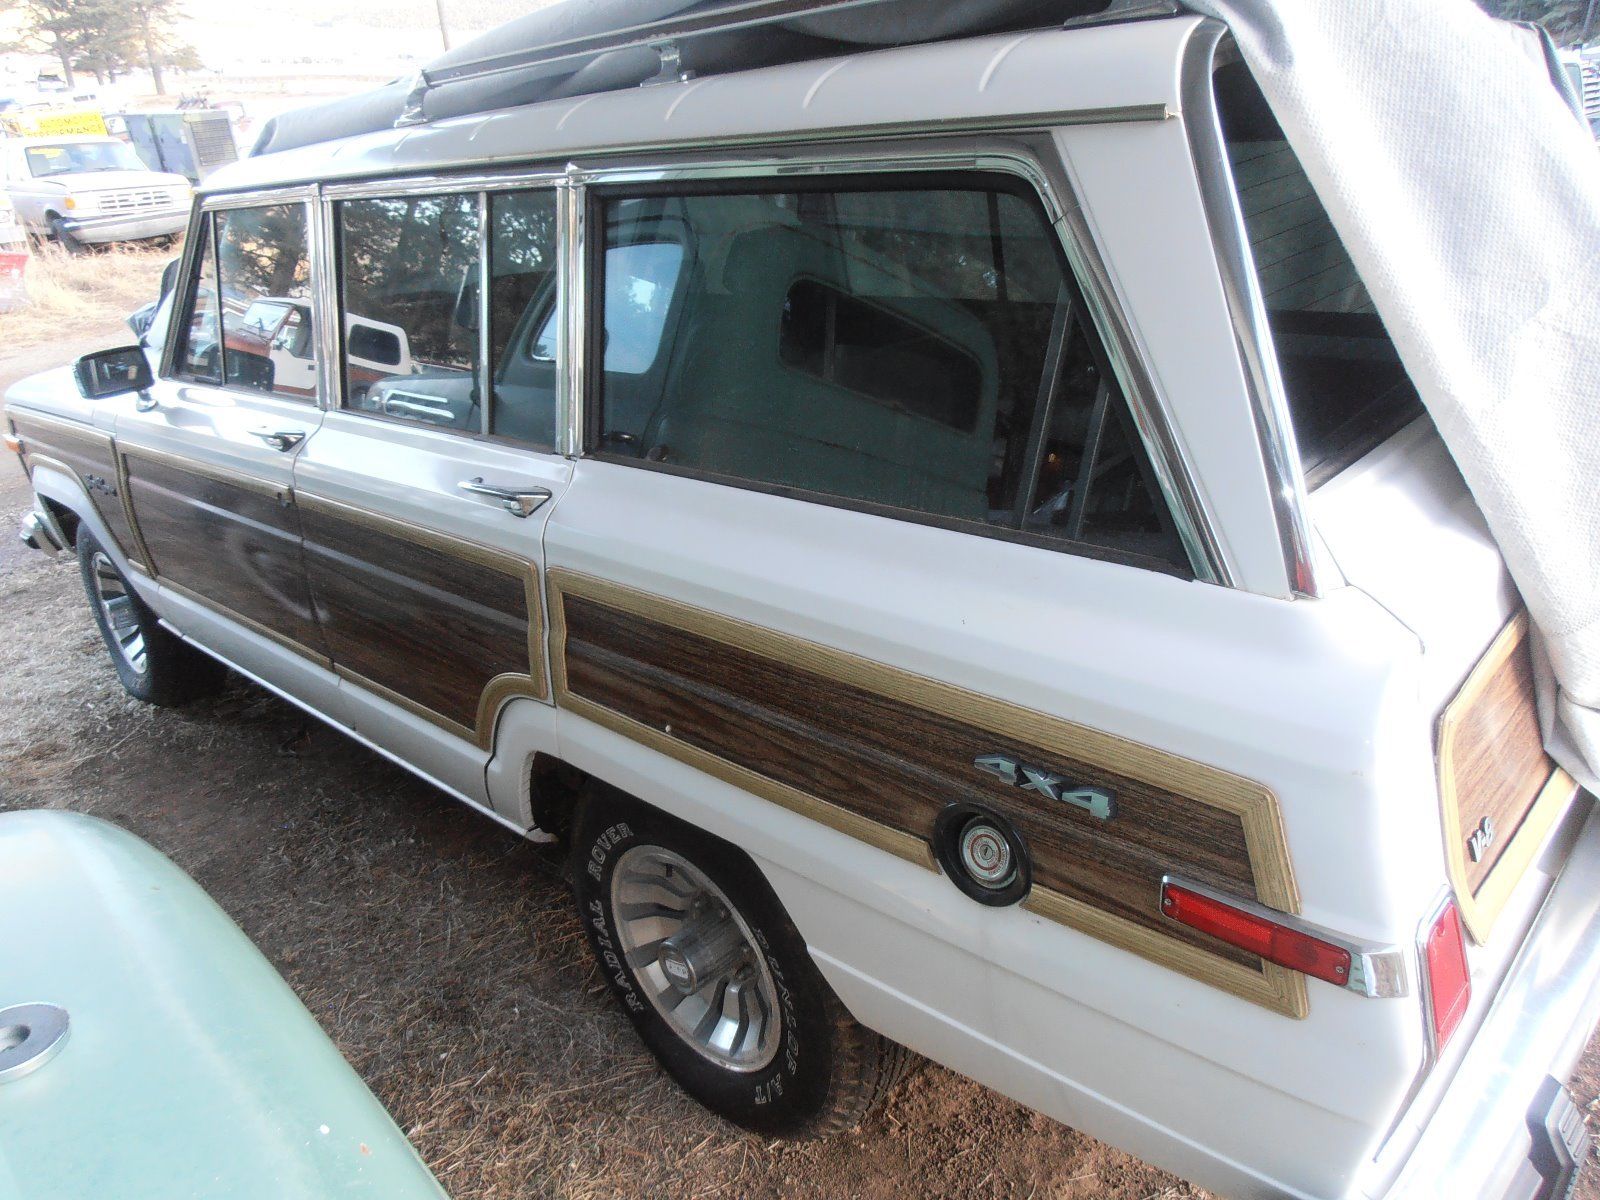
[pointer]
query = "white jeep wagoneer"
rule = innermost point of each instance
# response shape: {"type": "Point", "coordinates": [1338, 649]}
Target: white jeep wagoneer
{"type": "Point", "coordinates": [944, 534]}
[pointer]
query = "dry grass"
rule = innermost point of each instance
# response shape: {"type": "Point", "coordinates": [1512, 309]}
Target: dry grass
{"type": "Point", "coordinates": [67, 292]}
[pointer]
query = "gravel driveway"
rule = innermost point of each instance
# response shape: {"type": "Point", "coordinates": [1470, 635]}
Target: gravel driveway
{"type": "Point", "coordinates": [440, 952]}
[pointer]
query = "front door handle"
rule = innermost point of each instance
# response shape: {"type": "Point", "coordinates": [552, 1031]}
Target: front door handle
{"type": "Point", "coordinates": [280, 439]}
{"type": "Point", "coordinates": [519, 502]}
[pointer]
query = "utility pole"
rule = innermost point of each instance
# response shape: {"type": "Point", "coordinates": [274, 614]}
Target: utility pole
{"type": "Point", "coordinates": [444, 32]}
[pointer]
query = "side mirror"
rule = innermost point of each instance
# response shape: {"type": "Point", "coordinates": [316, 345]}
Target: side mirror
{"type": "Point", "coordinates": [113, 372]}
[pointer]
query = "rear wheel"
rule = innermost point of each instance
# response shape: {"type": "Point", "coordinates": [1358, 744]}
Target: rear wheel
{"type": "Point", "coordinates": [715, 978]}
{"type": "Point", "coordinates": [153, 665]}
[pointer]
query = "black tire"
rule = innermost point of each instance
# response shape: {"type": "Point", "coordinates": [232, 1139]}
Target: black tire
{"type": "Point", "coordinates": [164, 671]}
{"type": "Point", "coordinates": [828, 1072]}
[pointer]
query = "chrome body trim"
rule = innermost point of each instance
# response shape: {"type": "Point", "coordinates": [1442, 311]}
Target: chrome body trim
{"type": "Point", "coordinates": [573, 330]}
{"type": "Point", "coordinates": [436, 183]}
{"type": "Point", "coordinates": [447, 170]}
{"type": "Point", "coordinates": [349, 732]}
{"type": "Point", "coordinates": [1376, 972]}
{"type": "Point", "coordinates": [572, 288]}
{"type": "Point", "coordinates": [1269, 405]}
{"type": "Point", "coordinates": [1022, 158]}
{"type": "Point", "coordinates": [325, 305]}
{"type": "Point", "coordinates": [485, 310]}
{"type": "Point", "coordinates": [36, 534]}
{"type": "Point", "coordinates": [1535, 1028]}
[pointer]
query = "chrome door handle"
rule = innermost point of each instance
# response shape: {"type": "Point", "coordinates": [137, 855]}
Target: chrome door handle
{"type": "Point", "coordinates": [280, 439]}
{"type": "Point", "coordinates": [519, 502]}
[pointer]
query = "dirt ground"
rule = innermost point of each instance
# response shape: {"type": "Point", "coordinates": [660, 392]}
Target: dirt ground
{"type": "Point", "coordinates": [440, 951]}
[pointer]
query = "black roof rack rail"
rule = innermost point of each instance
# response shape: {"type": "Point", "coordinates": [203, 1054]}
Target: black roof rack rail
{"type": "Point", "coordinates": [664, 34]}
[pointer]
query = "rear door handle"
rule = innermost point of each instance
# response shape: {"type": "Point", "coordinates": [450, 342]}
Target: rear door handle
{"type": "Point", "coordinates": [519, 502]}
{"type": "Point", "coordinates": [280, 439]}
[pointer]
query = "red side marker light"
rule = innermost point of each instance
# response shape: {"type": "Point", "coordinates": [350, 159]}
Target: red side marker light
{"type": "Point", "coordinates": [13, 443]}
{"type": "Point", "coordinates": [1449, 983]}
{"type": "Point", "coordinates": [1281, 944]}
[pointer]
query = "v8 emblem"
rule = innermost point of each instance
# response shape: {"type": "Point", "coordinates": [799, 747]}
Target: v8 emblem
{"type": "Point", "coordinates": [1095, 801]}
{"type": "Point", "coordinates": [1481, 839]}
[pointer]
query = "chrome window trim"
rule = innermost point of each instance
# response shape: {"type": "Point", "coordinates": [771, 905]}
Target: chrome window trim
{"type": "Point", "coordinates": [178, 330]}
{"type": "Point", "coordinates": [1021, 158]}
{"type": "Point", "coordinates": [258, 197]}
{"type": "Point", "coordinates": [204, 209]}
{"type": "Point", "coordinates": [325, 291]}
{"type": "Point", "coordinates": [1031, 122]}
{"type": "Point", "coordinates": [572, 298]}
{"type": "Point", "coordinates": [1027, 162]}
{"type": "Point", "coordinates": [437, 183]}
{"type": "Point", "coordinates": [1269, 406]}
{"type": "Point", "coordinates": [1376, 972]}
{"type": "Point", "coordinates": [482, 187]}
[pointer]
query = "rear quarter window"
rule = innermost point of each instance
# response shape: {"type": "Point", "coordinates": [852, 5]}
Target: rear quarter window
{"type": "Point", "coordinates": [1346, 387]}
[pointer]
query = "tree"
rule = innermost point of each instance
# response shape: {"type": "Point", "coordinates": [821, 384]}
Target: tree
{"type": "Point", "coordinates": [68, 29]}
{"type": "Point", "coordinates": [152, 23]}
{"type": "Point", "coordinates": [1567, 20]}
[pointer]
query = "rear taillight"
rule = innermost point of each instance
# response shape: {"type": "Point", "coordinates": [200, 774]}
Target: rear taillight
{"type": "Point", "coordinates": [1444, 959]}
{"type": "Point", "coordinates": [1253, 930]}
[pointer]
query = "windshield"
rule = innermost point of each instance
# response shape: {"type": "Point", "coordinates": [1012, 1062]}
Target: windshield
{"type": "Point", "coordinates": [71, 157]}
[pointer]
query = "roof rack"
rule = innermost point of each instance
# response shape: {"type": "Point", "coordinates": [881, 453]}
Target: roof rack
{"type": "Point", "coordinates": [664, 35]}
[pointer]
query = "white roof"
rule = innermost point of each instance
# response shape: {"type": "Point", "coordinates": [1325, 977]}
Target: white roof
{"type": "Point", "coordinates": [1132, 66]}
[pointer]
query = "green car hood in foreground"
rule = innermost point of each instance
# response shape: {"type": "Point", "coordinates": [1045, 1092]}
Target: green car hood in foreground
{"type": "Point", "coordinates": [190, 1068]}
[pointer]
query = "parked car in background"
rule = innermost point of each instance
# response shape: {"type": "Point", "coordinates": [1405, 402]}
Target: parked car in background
{"type": "Point", "coordinates": [946, 536]}
{"type": "Point", "coordinates": [86, 189]}
{"type": "Point", "coordinates": [148, 1050]}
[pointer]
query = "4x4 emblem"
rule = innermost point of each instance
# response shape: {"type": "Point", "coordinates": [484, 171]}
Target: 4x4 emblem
{"type": "Point", "coordinates": [1481, 839]}
{"type": "Point", "coordinates": [1095, 801]}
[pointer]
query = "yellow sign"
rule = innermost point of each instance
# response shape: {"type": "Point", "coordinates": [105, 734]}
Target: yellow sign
{"type": "Point", "coordinates": [53, 124]}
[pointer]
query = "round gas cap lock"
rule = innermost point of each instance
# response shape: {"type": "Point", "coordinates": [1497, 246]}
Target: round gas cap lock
{"type": "Point", "coordinates": [982, 854]}
{"type": "Point", "coordinates": [30, 1036]}
{"type": "Point", "coordinates": [985, 854]}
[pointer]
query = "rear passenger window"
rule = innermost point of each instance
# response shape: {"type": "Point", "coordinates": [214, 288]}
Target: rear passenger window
{"type": "Point", "coordinates": [409, 277]}
{"type": "Point", "coordinates": [882, 345]}
{"type": "Point", "coordinates": [265, 272]}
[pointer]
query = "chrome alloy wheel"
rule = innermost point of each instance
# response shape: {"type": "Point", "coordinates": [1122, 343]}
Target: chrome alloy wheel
{"type": "Point", "coordinates": [122, 618]}
{"type": "Point", "coordinates": [695, 958]}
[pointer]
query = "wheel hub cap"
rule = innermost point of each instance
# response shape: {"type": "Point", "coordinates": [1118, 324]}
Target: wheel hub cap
{"type": "Point", "coordinates": [121, 617]}
{"type": "Point", "coordinates": [695, 958]}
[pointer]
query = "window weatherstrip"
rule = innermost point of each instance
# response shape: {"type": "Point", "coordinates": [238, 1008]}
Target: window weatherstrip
{"type": "Point", "coordinates": [1061, 325]}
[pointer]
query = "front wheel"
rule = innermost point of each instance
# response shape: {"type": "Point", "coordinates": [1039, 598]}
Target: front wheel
{"type": "Point", "coordinates": [717, 981]}
{"type": "Point", "coordinates": [153, 665]}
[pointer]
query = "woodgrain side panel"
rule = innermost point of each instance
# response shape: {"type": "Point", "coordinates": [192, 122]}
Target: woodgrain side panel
{"type": "Point", "coordinates": [446, 628]}
{"type": "Point", "coordinates": [1493, 768]}
{"type": "Point", "coordinates": [232, 540]}
{"type": "Point", "coordinates": [90, 455]}
{"type": "Point", "coordinates": [878, 753]}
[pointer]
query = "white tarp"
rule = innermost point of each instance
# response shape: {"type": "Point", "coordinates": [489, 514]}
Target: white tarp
{"type": "Point", "coordinates": [1469, 198]}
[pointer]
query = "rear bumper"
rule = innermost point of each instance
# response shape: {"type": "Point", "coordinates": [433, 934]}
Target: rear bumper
{"type": "Point", "coordinates": [127, 227]}
{"type": "Point", "coordinates": [1497, 1132]}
